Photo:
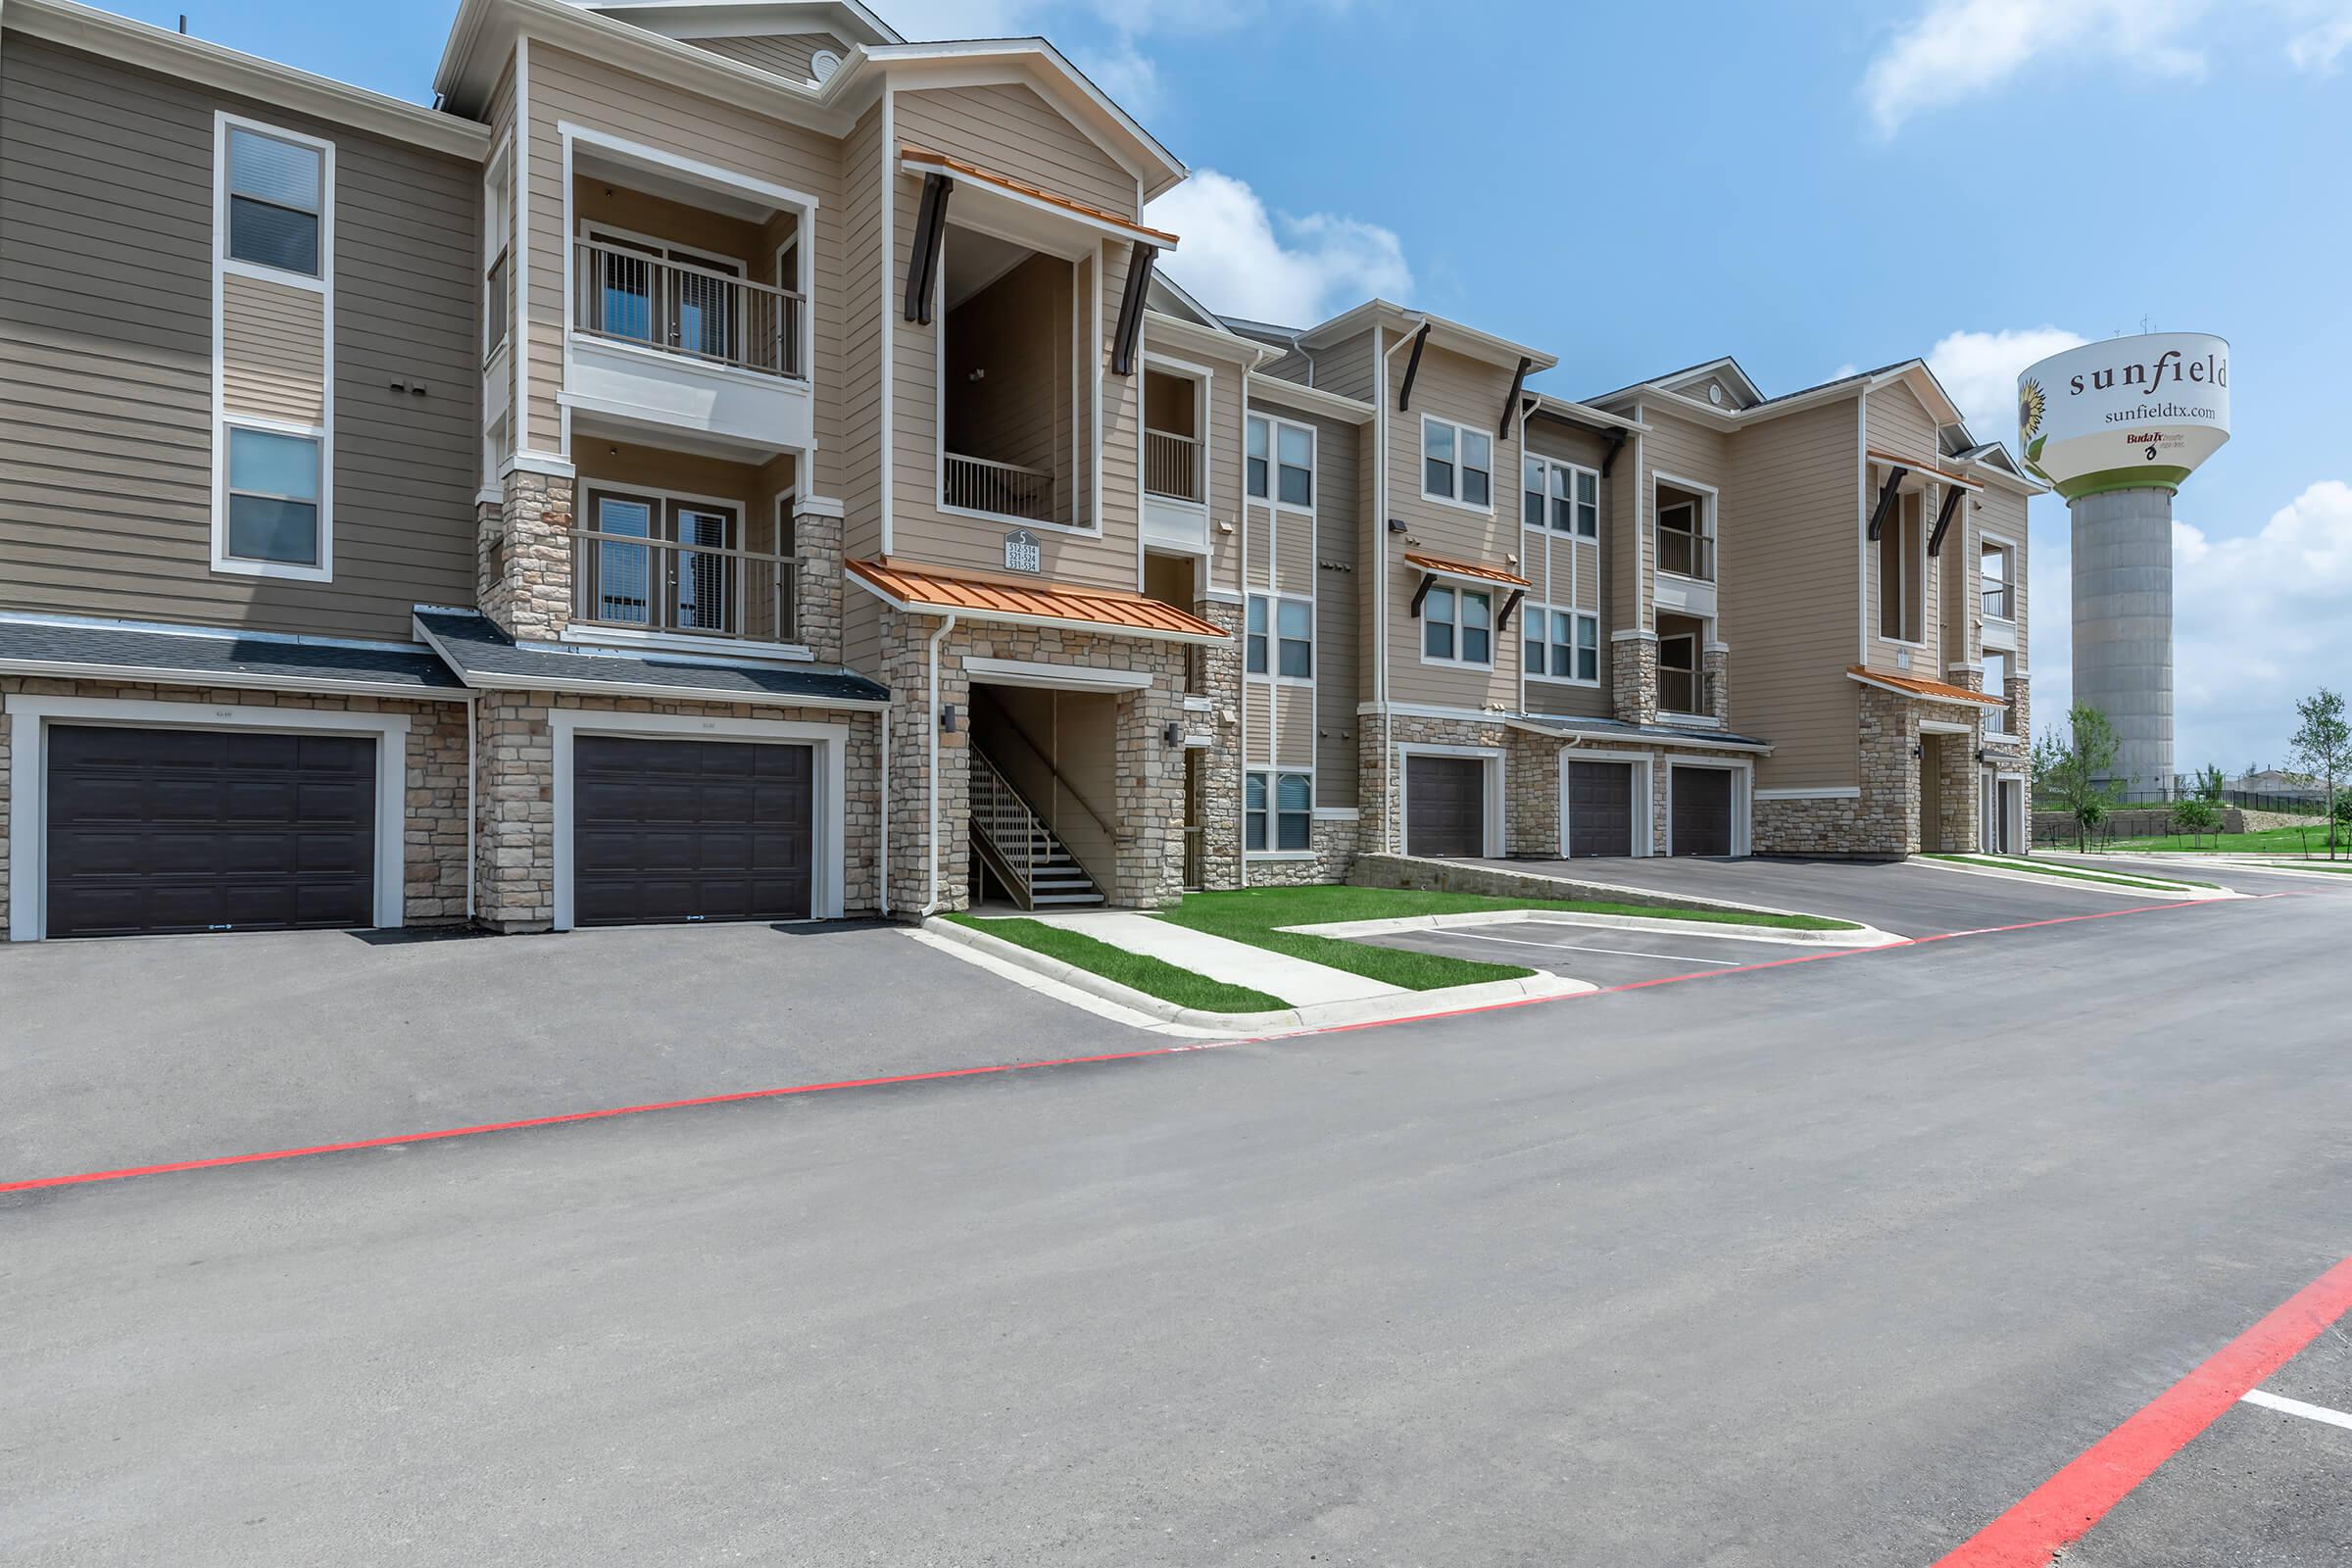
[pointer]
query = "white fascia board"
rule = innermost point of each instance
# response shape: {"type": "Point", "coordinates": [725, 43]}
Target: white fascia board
{"type": "Point", "coordinates": [1620, 737]}
{"type": "Point", "coordinates": [1457, 336]}
{"type": "Point", "coordinates": [1249, 353]}
{"type": "Point", "coordinates": [1570, 409]}
{"type": "Point", "coordinates": [1007, 617]}
{"type": "Point", "coordinates": [1053, 677]}
{"type": "Point", "coordinates": [1311, 400]}
{"type": "Point", "coordinates": [185, 59]}
{"type": "Point", "coordinates": [237, 681]}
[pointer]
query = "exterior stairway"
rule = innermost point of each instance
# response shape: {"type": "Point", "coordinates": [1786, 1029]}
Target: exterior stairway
{"type": "Point", "coordinates": [1019, 850]}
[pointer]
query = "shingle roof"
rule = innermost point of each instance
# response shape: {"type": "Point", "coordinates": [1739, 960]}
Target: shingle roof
{"type": "Point", "coordinates": [196, 656]}
{"type": "Point", "coordinates": [489, 660]}
{"type": "Point", "coordinates": [1640, 734]}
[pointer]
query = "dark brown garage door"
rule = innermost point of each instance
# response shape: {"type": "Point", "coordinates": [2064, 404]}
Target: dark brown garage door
{"type": "Point", "coordinates": [1444, 806]}
{"type": "Point", "coordinates": [1703, 810]}
{"type": "Point", "coordinates": [690, 831]}
{"type": "Point", "coordinates": [1600, 808]}
{"type": "Point", "coordinates": [156, 830]}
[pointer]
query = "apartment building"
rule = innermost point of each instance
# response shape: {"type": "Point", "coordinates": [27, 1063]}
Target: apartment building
{"type": "Point", "coordinates": [725, 461]}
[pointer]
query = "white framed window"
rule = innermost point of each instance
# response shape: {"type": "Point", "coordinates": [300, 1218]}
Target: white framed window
{"type": "Point", "coordinates": [1458, 627]}
{"type": "Point", "coordinates": [1562, 645]}
{"type": "Point", "coordinates": [1560, 496]}
{"type": "Point", "coordinates": [1281, 637]}
{"type": "Point", "coordinates": [1279, 461]}
{"type": "Point", "coordinates": [1457, 464]}
{"type": "Point", "coordinates": [1278, 811]}
{"type": "Point", "coordinates": [277, 199]}
{"type": "Point", "coordinates": [1996, 569]}
{"type": "Point", "coordinates": [650, 561]}
{"type": "Point", "coordinates": [1996, 684]}
{"type": "Point", "coordinates": [498, 223]}
{"type": "Point", "coordinates": [273, 501]}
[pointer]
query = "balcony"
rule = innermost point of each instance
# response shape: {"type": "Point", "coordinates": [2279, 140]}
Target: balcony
{"type": "Point", "coordinates": [677, 345]}
{"type": "Point", "coordinates": [998, 489]}
{"type": "Point", "coordinates": [678, 573]}
{"type": "Point", "coordinates": [1171, 466]}
{"type": "Point", "coordinates": [1687, 555]}
{"type": "Point", "coordinates": [1686, 693]}
{"type": "Point", "coordinates": [1175, 476]}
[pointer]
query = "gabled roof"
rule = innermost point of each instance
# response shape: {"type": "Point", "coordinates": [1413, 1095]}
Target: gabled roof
{"type": "Point", "coordinates": [846, 20]}
{"type": "Point", "coordinates": [1458, 337]}
{"type": "Point", "coordinates": [924, 158]}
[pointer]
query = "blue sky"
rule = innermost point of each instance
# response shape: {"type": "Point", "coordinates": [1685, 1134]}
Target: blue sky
{"type": "Point", "coordinates": [1807, 185]}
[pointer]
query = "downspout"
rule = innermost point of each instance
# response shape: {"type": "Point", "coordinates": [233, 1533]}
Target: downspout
{"type": "Point", "coordinates": [1380, 597]}
{"type": "Point", "coordinates": [1241, 776]}
{"type": "Point", "coordinates": [931, 656]}
{"type": "Point", "coordinates": [474, 715]}
{"type": "Point", "coordinates": [882, 875]}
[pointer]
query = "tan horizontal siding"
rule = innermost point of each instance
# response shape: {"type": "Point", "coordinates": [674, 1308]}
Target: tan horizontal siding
{"type": "Point", "coordinates": [1008, 129]}
{"type": "Point", "coordinates": [1468, 392]}
{"type": "Point", "coordinates": [272, 350]}
{"type": "Point", "coordinates": [106, 299]}
{"type": "Point", "coordinates": [1341, 505]}
{"type": "Point", "coordinates": [850, 460]}
{"type": "Point", "coordinates": [787, 54]}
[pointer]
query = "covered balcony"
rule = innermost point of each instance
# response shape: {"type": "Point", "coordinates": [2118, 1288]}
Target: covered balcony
{"type": "Point", "coordinates": [1175, 477]}
{"type": "Point", "coordinates": [1009, 390]}
{"type": "Point", "coordinates": [678, 551]}
{"type": "Point", "coordinates": [688, 309]}
{"type": "Point", "coordinates": [1686, 687]}
{"type": "Point", "coordinates": [1686, 542]}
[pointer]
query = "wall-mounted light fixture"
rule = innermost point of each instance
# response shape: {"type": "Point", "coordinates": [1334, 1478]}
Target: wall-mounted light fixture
{"type": "Point", "coordinates": [1395, 525]}
{"type": "Point", "coordinates": [1173, 734]}
{"type": "Point", "coordinates": [1918, 750]}
{"type": "Point", "coordinates": [946, 719]}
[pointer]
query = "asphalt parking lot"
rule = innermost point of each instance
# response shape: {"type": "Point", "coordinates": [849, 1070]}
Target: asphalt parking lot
{"type": "Point", "coordinates": [1597, 953]}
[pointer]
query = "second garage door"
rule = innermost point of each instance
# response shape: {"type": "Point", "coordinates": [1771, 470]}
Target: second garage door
{"type": "Point", "coordinates": [691, 830]}
{"type": "Point", "coordinates": [1444, 806]}
{"type": "Point", "coordinates": [1703, 810]}
{"type": "Point", "coordinates": [1600, 808]}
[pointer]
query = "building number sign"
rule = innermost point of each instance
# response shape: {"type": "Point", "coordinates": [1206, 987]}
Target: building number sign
{"type": "Point", "coordinates": [1023, 552]}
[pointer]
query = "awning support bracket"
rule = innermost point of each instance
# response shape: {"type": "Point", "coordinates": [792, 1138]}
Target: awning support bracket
{"type": "Point", "coordinates": [1608, 459]}
{"type": "Point", "coordinates": [1502, 622]}
{"type": "Point", "coordinates": [1943, 518]}
{"type": "Point", "coordinates": [1131, 309]}
{"type": "Point", "coordinates": [930, 232]}
{"type": "Point", "coordinates": [1886, 496]}
{"type": "Point", "coordinates": [1502, 432]}
{"type": "Point", "coordinates": [1412, 368]}
{"type": "Point", "coordinates": [1428, 579]}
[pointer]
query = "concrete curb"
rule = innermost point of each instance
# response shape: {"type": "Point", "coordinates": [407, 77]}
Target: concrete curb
{"type": "Point", "coordinates": [2080, 883]}
{"type": "Point", "coordinates": [1861, 936]}
{"type": "Point", "coordinates": [1323, 1015]}
{"type": "Point", "coordinates": [1482, 880]}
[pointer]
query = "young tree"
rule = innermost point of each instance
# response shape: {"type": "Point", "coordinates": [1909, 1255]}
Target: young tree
{"type": "Point", "coordinates": [2210, 785]}
{"type": "Point", "coordinates": [2196, 815]}
{"type": "Point", "coordinates": [2323, 747]}
{"type": "Point", "coordinates": [2069, 769]}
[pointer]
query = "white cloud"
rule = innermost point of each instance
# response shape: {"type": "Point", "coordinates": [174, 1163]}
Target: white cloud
{"type": "Point", "coordinates": [2258, 621]}
{"type": "Point", "coordinates": [1957, 49]}
{"type": "Point", "coordinates": [1243, 260]}
{"type": "Point", "coordinates": [2323, 33]}
{"type": "Point", "coordinates": [1127, 74]}
{"type": "Point", "coordinates": [1979, 370]}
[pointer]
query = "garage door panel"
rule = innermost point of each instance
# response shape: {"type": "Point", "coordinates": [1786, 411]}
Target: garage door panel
{"type": "Point", "coordinates": [1445, 798]}
{"type": "Point", "coordinates": [164, 830]}
{"type": "Point", "coordinates": [1600, 808]}
{"type": "Point", "coordinates": [691, 830]}
{"type": "Point", "coordinates": [1703, 810]}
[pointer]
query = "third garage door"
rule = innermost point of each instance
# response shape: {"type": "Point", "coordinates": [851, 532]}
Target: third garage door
{"type": "Point", "coordinates": [691, 830]}
{"type": "Point", "coordinates": [1703, 810]}
{"type": "Point", "coordinates": [1444, 806]}
{"type": "Point", "coordinates": [1600, 808]}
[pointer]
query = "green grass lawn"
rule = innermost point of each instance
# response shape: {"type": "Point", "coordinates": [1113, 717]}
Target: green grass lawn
{"type": "Point", "coordinates": [2270, 841]}
{"type": "Point", "coordinates": [1150, 976]}
{"type": "Point", "coordinates": [1255, 915]}
{"type": "Point", "coordinates": [2074, 873]}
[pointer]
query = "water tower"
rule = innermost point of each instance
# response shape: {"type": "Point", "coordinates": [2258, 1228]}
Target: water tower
{"type": "Point", "coordinates": [2116, 427]}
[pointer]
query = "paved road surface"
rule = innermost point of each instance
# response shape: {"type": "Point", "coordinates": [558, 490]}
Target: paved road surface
{"type": "Point", "coordinates": [1827, 1262]}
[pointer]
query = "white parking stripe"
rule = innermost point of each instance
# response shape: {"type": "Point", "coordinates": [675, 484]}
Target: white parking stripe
{"type": "Point", "coordinates": [1573, 947]}
{"type": "Point", "coordinates": [2309, 1412]}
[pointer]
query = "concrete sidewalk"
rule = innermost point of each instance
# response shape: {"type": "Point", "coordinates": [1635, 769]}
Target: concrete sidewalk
{"type": "Point", "coordinates": [1236, 964]}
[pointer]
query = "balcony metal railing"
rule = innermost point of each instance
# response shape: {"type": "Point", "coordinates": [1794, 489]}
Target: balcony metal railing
{"type": "Point", "coordinates": [1000, 489]}
{"type": "Point", "coordinates": [1687, 555]}
{"type": "Point", "coordinates": [1171, 466]}
{"type": "Point", "coordinates": [629, 297]}
{"type": "Point", "coordinates": [1687, 691]}
{"type": "Point", "coordinates": [668, 585]}
{"type": "Point", "coordinates": [1997, 602]}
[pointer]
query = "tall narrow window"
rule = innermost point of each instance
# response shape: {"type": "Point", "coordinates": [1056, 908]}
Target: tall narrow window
{"type": "Point", "coordinates": [1256, 457]}
{"type": "Point", "coordinates": [276, 195]}
{"type": "Point", "coordinates": [1297, 465]}
{"type": "Point", "coordinates": [1254, 657]}
{"type": "Point", "coordinates": [272, 497]}
{"type": "Point", "coordinates": [1295, 625]}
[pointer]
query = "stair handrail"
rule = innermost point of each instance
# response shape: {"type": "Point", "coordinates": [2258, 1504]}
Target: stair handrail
{"type": "Point", "coordinates": [1006, 724]}
{"type": "Point", "coordinates": [1006, 820]}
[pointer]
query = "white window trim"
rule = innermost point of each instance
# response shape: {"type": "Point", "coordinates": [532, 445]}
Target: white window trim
{"type": "Point", "coordinates": [28, 717]}
{"type": "Point", "coordinates": [1459, 591]}
{"type": "Point", "coordinates": [583, 629]}
{"type": "Point", "coordinates": [1491, 822]}
{"type": "Point", "coordinates": [1272, 673]}
{"type": "Point", "coordinates": [1711, 498]}
{"type": "Point", "coordinates": [1459, 429]}
{"type": "Point", "coordinates": [223, 265]}
{"type": "Point", "coordinates": [1743, 797]}
{"type": "Point", "coordinates": [1646, 797]}
{"type": "Point", "coordinates": [1273, 772]}
{"type": "Point", "coordinates": [1528, 608]}
{"type": "Point", "coordinates": [828, 877]}
{"type": "Point", "coordinates": [2010, 549]}
{"type": "Point", "coordinates": [1573, 470]}
{"type": "Point", "coordinates": [1275, 425]}
{"type": "Point", "coordinates": [499, 245]}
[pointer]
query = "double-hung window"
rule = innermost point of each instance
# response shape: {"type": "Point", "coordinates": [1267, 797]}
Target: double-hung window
{"type": "Point", "coordinates": [1281, 637]}
{"type": "Point", "coordinates": [1279, 461]}
{"type": "Point", "coordinates": [1457, 464]}
{"type": "Point", "coordinates": [1278, 811]}
{"type": "Point", "coordinates": [1560, 496]}
{"type": "Point", "coordinates": [1563, 645]}
{"type": "Point", "coordinates": [1457, 627]}
{"type": "Point", "coordinates": [276, 201]}
{"type": "Point", "coordinates": [273, 484]}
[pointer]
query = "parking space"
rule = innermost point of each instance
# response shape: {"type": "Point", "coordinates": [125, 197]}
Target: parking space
{"type": "Point", "coordinates": [1910, 899]}
{"type": "Point", "coordinates": [1597, 953]}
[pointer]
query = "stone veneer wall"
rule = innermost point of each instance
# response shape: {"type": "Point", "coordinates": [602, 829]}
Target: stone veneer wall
{"type": "Point", "coordinates": [1221, 759]}
{"type": "Point", "coordinates": [1883, 823]}
{"type": "Point", "coordinates": [818, 613]}
{"type": "Point", "coordinates": [1634, 679]}
{"type": "Point", "coordinates": [1531, 779]}
{"type": "Point", "coordinates": [1716, 661]}
{"type": "Point", "coordinates": [433, 826]}
{"type": "Point", "coordinates": [1334, 856]}
{"type": "Point", "coordinates": [514, 854]}
{"type": "Point", "coordinates": [1147, 858]}
{"type": "Point", "coordinates": [522, 558]}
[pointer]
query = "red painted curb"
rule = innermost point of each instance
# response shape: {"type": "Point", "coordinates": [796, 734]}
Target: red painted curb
{"type": "Point", "coordinates": [2065, 1507]}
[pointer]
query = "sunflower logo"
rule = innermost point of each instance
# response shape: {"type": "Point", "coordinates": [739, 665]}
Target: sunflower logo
{"type": "Point", "coordinates": [2030, 404]}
